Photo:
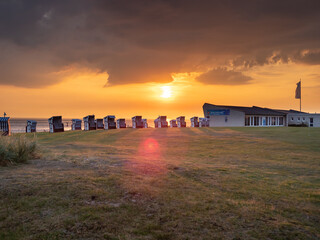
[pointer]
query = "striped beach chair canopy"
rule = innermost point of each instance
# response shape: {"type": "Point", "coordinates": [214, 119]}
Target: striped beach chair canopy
{"type": "Point", "coordinates": [4, 119]}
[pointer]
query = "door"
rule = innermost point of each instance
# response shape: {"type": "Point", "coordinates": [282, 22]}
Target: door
{"type": "Point", "coordinates": [311, 122]}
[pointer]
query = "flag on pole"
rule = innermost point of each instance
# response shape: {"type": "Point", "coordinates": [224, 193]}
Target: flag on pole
{"type": "Point", "coordinates": [298, 90]}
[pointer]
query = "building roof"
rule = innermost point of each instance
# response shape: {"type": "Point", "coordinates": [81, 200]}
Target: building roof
{"type": "Point", "coordinates": [254, 110]}
{"type": "Point", "coordinates": [290, 111]}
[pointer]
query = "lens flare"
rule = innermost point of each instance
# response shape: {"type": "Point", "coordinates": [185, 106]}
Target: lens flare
{"type": "Point", "coordinates": [148, 160]}
{"type": "Point", "coordinates": [150, 146]}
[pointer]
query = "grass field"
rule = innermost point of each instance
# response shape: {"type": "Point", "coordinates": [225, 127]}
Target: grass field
{"type": "Point", "coordinates": [206, 183]}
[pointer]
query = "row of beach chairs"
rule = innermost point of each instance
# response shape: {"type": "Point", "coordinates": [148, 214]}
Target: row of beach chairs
{"type": "Point", "coordinates": [110, 122]}
{"type": "Point", "coordinates": [90, 123]}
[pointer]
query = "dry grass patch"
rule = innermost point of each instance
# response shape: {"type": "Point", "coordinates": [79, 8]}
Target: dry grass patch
{"type": "Point", "coordinates": [17, 149]}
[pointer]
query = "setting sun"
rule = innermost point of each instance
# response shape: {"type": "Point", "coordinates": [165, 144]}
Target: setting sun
{"type": "Point", "coordinates": [166, 92]}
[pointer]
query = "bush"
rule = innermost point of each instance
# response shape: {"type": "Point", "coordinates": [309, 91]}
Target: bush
{"type": "Point", "coordinates": [15, 150]}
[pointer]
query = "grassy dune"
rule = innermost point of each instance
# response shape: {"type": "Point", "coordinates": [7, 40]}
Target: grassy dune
{"type": "Point", "coordinates": [208, 183]}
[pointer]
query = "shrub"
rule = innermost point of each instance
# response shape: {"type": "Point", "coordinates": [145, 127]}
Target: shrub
{"type": "Point", "coordinates": [15, 150]}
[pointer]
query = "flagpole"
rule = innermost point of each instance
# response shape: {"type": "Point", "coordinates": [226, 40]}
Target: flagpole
{"type": "Point", "coordinates": [300, 93]}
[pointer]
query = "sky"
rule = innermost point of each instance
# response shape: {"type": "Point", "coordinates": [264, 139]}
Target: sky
{"type": "Point", "coordinates": [151, 58]}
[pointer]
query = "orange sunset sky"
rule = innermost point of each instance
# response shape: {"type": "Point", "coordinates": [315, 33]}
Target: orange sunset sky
{"type": "Point", "coordinates": [150, 58]}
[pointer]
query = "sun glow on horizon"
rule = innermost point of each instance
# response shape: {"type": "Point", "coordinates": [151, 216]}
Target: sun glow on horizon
{"type": "Point", "coordinates": [166, 92]}
{"type": "Point", "coordinates": [82, 91]}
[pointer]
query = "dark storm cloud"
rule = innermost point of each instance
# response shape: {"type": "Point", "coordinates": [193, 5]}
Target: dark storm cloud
{"type": "Point", "coordinates": [221, 76]}
{"type": "Point", "coordinates": [146, 41]}
{"type": "Point", "coordinates": [312, 58]}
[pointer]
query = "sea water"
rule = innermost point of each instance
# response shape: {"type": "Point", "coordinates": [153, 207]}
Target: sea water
{"type": "Point", "coordinates": [18, 125]}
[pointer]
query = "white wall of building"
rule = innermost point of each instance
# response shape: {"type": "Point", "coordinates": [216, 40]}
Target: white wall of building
{"type": "Point", "coordinates": [311, 120]}
{"type": "Point", "coordinates": [316, 120]}
{"type": "Point", "coordinates": [235, 119]}
{"type": "Point", "coordinates": [238, 118]}
{"type": "Point", "coordinates": [298, 119]}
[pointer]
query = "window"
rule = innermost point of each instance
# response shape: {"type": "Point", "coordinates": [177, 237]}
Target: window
{"type": "Point", "coordinates": [256, 121]}
{"type": "Point", "coordinates": [311, 122]}
{"type": "Point", "coordinates": [273, 123]}
{"type": "Point", "coordinates": [304, 119]}
{"type": "Point", "coordinates": [292, 119]}
{"type": "Point", "coordinates": [298, 118]}
{"type": "Point", "coordinates": [281, 121]}
{"type": "Point", "coordinates": [247, 121]}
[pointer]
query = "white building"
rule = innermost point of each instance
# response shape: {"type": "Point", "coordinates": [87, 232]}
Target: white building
{"type": "Point", "coordinates": [296, 118]}
{"type": "Point", "coordinates": [235, 116]}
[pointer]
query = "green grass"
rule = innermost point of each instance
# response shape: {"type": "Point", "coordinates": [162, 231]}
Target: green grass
{"type": "Point", "coordinates": [18, 149]}
{"type": "Point", "coordinates": [208, 183]}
